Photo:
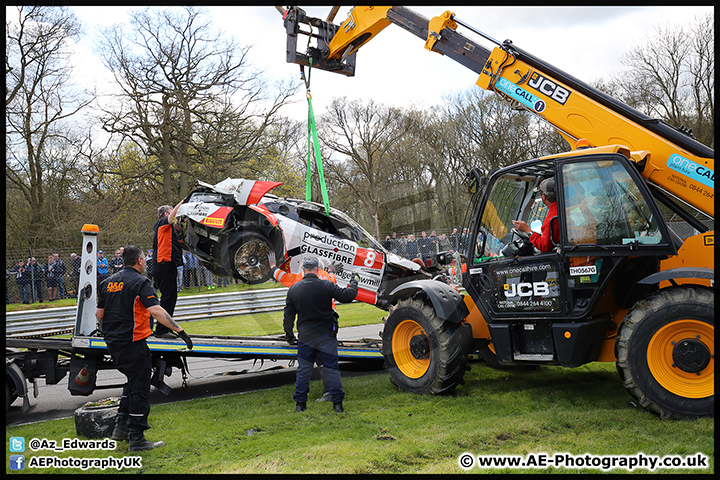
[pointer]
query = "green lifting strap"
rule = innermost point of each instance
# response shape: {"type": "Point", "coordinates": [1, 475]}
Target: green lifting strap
{"type": "Point", "coordinates": [313, 140]}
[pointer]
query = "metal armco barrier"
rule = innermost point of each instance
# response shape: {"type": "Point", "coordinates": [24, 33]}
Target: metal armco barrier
{"type": "Point", "coordinates": [53, 321]}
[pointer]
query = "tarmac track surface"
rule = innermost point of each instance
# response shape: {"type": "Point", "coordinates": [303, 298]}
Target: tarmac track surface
{"type": "Point", "coordinates": [208, 377]}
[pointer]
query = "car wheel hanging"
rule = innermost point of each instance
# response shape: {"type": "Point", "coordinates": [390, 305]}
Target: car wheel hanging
{"type": "Point", "coordinates": [249, 256]}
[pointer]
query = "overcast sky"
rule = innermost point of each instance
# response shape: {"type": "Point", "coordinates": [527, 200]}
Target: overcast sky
{"type": "Point", "coordinates": [394, 68]}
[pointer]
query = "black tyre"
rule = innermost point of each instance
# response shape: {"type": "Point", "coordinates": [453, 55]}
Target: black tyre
{"type": "Point", "coordinates": [666, 352]}
{"type": "Point", "coordinates": [423, 353]}
{"type": "Point", "coordinates": [490, 357]}
{"type": "Point", "coordinates": [96, 421]}
{"type": "Point", "coordinates": [249, 257]}
{"type": "Point", "coordinates": [10, 395]}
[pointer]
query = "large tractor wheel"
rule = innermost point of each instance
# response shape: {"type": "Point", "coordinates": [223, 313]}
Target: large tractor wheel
{"type": "Point", "coordinates": [249, 257]}
{"type": "Point", "coordinates": [424, 353]}
{"type": "Point", "coordinates": [666, 352]}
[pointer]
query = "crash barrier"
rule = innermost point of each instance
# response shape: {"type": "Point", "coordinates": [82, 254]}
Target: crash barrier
{"type": "Point", "coordinates": [54, 321]}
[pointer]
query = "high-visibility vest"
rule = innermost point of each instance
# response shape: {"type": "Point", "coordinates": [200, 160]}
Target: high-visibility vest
{"type": "Point", "coordinates": [289, 279]}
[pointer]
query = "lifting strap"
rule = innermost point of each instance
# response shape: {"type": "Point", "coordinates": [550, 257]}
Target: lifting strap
{"type": "Point", "coordinates": [313, 145]}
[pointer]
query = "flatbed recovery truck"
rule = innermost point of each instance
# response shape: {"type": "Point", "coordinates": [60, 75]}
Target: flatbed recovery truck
{"type": "Point", "coordinates": [85, 353]}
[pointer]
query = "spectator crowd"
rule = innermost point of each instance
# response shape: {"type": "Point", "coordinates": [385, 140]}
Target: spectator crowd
{"type": "Point", "coordinates": [30, 281]}
{"type": "Point", "coordinates": [425, 247]}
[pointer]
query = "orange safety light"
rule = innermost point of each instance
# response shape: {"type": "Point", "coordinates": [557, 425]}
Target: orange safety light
{"type": "Point", "coordinates": [582, 143]}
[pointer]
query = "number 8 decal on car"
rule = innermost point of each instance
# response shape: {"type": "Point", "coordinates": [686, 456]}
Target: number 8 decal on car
{"type": "Point", "coordinates": [369, 259]}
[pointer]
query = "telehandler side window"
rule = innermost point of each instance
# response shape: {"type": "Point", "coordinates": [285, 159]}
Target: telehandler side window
{"type": "Point", "coordinates": [604, 206]}
{"type": "Point", "coordinates": [502, 207]}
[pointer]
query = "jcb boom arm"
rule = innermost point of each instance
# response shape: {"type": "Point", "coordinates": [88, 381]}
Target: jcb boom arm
{"type": "Point", "coordinates": [671, 161]}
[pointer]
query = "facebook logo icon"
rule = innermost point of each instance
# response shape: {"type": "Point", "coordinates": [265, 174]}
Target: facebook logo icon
{"type": "Point", "coordinates": [17, 462]}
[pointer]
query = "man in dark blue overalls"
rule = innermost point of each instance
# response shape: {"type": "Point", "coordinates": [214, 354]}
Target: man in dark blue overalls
{"type": "Point", "coordinates": [311, 300]}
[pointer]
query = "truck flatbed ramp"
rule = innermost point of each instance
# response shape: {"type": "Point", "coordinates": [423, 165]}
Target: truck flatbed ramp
{"type": "Point", "coordinates": [239, 347]}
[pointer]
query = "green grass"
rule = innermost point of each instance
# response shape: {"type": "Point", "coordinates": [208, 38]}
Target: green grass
{"type": "Point", "coordinates": [271, 323]}
{"type": "Point", "coordinates": [549, 410]}
{"type": "Point", "coordinates": [71, 302]}
{"type": "Point", "coordinates": [17, 307]}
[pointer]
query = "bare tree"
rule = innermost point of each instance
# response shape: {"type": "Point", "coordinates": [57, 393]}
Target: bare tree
{"type": "Point", "coordinates": [188, 95]}
{"type": "Point", "coordinates": [702, 79]}
{"type": "Point", "coordinates": [671, 75]}
{"type": "Point", "coordinates": [414, 200]}
{"type": "Point", "coordinates": [363, 134]}
{"type": "Point", "coordinates": [405, 168]}
{"type": "Point", "coordinates": [39, 102]}
{"type": "Point", "coordinates": [479, 130]}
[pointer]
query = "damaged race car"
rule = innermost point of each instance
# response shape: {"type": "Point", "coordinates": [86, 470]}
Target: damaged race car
{"type": "Point", "coordinates": [236, 228]}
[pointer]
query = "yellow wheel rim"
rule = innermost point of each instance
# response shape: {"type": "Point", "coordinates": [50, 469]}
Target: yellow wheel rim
{"type": "Point", "coordinates": [688, 384]}
{"type": "Point", "coordinates": [407, 362]}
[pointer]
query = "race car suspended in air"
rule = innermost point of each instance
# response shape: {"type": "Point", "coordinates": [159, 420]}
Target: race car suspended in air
{"type": "Point", "coordinates": [236, 228]}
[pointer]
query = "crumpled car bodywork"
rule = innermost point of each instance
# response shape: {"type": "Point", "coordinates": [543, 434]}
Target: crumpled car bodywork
{"type": "Point", "coordinates": [236, 228]}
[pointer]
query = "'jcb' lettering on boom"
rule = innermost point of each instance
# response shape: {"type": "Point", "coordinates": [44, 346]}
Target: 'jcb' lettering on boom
{"type": "Point", "coordinates": [549, 88]}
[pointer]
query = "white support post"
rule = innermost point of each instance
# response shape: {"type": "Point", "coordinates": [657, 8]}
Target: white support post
{"type": "Point", "coordinates": [86, 322]}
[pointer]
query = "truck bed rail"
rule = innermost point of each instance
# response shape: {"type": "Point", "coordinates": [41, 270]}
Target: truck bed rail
{"type": "Point", "coordinates": [268, 347]}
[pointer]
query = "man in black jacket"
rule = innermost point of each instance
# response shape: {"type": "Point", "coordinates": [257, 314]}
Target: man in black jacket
{"type": "Point", "coordinates": [36, 274]}
{"type": "Point", "coordinates": [23, 281]}
{"type": "Point", "coordinates": [125, 302]}
{"type": "Point", "coordinates": [60, 270]}
{"type": "Point", "coordinates": [311, 300]}
{"type": "Point", "coordinates": [74, 277]}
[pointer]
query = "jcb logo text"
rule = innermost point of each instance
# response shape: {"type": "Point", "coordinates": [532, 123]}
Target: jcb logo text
{"type": "Point", "coordinates": [538, 289]}
{"type": "Point", "coordinates": [549, 88]}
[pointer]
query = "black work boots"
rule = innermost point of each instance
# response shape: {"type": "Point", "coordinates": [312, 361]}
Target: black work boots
{"type": "Point", "coordinates": [136, 437]}
{"type": "Point", "coordinates": [120, 432]}
{"type": "Point", "coordinates": [302, 406]}
{"type": "Point", "coordinates": [138, 442]}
